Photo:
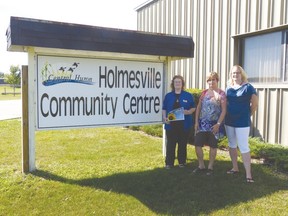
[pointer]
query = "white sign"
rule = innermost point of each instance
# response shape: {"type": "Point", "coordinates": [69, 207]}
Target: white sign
{"type": "Point", "coordinates": [84, 92]}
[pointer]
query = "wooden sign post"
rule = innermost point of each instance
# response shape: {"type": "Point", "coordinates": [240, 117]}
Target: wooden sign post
{"type": "Point", "coordinates": [25, 121]}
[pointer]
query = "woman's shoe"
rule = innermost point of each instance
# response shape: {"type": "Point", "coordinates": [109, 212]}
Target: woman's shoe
{"type": "Point", "coordinates": [209, 172]}
{"type": "Point", "coordinates": [249, 180]}
{"type": "Point", "coordinates": [168, 167]}
{"type": "Point", "coordinates": [197, 170]}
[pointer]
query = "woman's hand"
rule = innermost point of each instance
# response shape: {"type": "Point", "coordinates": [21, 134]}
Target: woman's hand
{"type": "Point", "coordinates": [189, 112]}
{"type": "Point", "coordinates": [215, 128]}
{"type": "Point", "coordinates": [196, 126]}
{"type": "Point", "coordinates": [166, 121]}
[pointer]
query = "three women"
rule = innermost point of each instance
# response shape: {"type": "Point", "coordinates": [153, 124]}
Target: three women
{"type": "Point", "coordinates": [242, 102]}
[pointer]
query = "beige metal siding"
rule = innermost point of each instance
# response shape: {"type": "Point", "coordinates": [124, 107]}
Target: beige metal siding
{"type": "Point", "coordinates": [270, 121]}
{"type": "Point", "coordinates": [283, 134]}
{"type": "Point", "coordinates": [212, 23]}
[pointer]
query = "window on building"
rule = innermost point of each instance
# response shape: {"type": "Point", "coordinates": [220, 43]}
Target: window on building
{"type": "Point", "coordinates": [264, 57]}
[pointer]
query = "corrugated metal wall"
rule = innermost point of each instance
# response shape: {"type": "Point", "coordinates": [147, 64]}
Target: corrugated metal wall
{"type": "Point", "coordinates": [212, 23]}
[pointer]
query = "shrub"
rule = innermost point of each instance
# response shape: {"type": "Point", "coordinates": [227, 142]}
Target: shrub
{"type": "Point", "coordinates": [272, 154]}
{"type": "Point", "coordinates": [153, 130]}
{"type": "Point", "coordinates": [135, 128]}
{"type": "Point", "coordinates": [196, 94]}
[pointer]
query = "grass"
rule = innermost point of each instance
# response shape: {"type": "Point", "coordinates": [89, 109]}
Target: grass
{"type": "Point", "coordinates": [9, 93]}
{"type": "Point", "coordinates": [117, 171]}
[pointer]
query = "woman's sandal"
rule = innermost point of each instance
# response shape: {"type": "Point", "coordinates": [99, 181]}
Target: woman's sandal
{"type": "Point", "coordinates": [249, 180]}
{"type": "Point", "coordinates": [232, 172]}
{"type": "Point", "coordinates": [197, 170]}
{"type": "Point", "coordinates": [209, 172]}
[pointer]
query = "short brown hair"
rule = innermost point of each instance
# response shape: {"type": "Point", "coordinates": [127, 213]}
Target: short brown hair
{"type": "Point", "coordinates": [177, 77]}
{"type": "Point", "coordinates": [212, 75]}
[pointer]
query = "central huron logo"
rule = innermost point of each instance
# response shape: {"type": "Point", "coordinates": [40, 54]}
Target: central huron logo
{"type": "Point", "coordinates": [64, 74]}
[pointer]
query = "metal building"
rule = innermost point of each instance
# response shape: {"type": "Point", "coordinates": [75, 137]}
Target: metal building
{"type": "Point", "coordinates": [252, 33]}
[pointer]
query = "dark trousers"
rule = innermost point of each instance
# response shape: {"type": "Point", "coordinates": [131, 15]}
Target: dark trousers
{"type": "Point", "coordinates": [175, 137]}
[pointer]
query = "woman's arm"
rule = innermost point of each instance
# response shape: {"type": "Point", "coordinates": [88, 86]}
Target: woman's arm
{"type": "Point", "coordinates": [216, 127]}
{"type": "Point", "coordinates": [191, 103]}
{"type": "Point", "coordinates": [164, 116]}
{"type": "Point", "coordinates": [253, 104]}
{"type": "Point", "coordinates": [223, 113]}
{"type": "Point", "coordinates": [197, 113]}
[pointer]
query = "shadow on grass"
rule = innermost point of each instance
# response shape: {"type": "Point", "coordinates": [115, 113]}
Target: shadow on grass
{"type": "Point", "coordinates": [180, 192]}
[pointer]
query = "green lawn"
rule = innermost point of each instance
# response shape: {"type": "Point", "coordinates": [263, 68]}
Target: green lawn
{"type": "Point", "coordinates": [116, 171]}
{"type": "Point", "coordinates": [7, 93]}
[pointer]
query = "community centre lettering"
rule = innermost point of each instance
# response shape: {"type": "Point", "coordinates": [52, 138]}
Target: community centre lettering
{"type": "Point", "coordinates": [104, 90]}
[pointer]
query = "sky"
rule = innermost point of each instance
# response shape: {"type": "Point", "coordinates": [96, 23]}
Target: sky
{"type": "Point", "coordinates": [119, 14]}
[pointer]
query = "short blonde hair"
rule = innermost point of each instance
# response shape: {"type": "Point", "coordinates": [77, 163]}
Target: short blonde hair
{"type": "Point", "coordinates": [212, 75]}
{"type": "Point", "coordinates": [243, 75]}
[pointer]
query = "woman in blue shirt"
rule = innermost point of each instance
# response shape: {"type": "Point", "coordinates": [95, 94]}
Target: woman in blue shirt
{"type": "Point", "coordinates": [242, 102]}
{"type": "Point", "coordinates": [177, 131]}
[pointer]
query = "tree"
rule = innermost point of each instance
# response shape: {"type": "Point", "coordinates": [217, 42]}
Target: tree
{"type": "Point", "coordinates": [1, 75]}
{"type": "Point", "coordinates": [14, 78]}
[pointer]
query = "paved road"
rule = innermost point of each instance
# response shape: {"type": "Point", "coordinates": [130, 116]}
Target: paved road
{"type": "Point", "coordinates": [10, 109]}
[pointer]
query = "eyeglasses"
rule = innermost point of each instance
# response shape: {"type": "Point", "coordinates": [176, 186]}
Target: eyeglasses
{"type": "Point", "coordinates": [178, 81]}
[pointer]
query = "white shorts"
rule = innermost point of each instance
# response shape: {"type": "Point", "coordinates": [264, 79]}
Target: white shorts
{"type": "Point", "coordinates": [238, 136]}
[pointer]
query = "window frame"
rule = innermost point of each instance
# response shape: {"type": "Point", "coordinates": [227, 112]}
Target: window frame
{"type": "Point", "coordinates": [279, 75]}
{"type": "Point", "coordinates": [238, 50]}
